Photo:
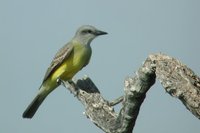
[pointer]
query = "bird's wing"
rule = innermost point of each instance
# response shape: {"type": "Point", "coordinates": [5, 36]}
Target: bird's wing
{"type": "Point", "coordinates": [60, 56]}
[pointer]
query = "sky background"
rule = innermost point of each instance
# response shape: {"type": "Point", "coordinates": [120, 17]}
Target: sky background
{"type": "Point", "coordinates": [31, 32]}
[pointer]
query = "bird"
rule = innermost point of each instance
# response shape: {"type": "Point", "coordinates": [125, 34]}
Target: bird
{"type": "Point", "coordinates": [70, 59]}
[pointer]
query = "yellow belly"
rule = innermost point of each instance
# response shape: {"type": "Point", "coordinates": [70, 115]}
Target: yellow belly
{"type": "Point", "coordinates": [79, 57]}
{"type": "Point", "coordinates": [75, 62]}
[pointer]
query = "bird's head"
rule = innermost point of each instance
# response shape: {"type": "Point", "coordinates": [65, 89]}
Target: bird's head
{"type": "Point", "coordinates": [85, 34]}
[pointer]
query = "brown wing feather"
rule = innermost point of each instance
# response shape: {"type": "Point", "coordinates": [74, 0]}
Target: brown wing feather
{"type": "Point", "coordinates": [62, 54]}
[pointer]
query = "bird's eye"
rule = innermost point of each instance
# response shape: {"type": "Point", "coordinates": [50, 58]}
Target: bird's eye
{"type": "Point", "coordinates": [89, 31]}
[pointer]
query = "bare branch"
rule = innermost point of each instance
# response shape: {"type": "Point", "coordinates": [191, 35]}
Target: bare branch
{"type": "Point", "coordinates": [97, 109]}
{"type": "Point", "coordinates": [177, 79]}
{"type": "Point", "coordinates": [116, 101]}
{"type": "Point", "coordinates": [101, 112]}
{"type": "Point", "coordinates": [135, 93]}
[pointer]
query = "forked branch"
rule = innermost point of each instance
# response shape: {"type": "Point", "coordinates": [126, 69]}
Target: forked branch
{"type": "Point", "coordinates": [177, 79]}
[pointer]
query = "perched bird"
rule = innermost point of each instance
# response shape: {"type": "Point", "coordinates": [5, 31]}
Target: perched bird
{"type": "Point", "coordinates": [70, 59]}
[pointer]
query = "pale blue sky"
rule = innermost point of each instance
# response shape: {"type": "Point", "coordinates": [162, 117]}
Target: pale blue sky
{"type": "Point", "coordinates": [32, 32]}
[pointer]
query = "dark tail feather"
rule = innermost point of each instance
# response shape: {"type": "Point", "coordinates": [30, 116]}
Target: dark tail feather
{"type": "Point", "coordinates": [32, 108]}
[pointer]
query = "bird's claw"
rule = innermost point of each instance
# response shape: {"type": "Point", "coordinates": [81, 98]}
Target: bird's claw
{"type": "Point", "coordinates": [58, 81]}
{"type": "Point", "coordinates": [73, 88]}
{"type": "Point", "coordinates": [70, 85]}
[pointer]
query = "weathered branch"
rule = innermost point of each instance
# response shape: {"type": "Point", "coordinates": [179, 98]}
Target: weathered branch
{"type": "Point", "coordinates": [178, 80]}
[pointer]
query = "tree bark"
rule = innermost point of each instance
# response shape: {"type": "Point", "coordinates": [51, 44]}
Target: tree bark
{"type": "Point", "coordinates": [177, 79]}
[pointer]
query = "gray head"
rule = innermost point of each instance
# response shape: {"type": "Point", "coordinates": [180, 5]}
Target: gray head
{"type": "Point", "coordinates": [86, 33]}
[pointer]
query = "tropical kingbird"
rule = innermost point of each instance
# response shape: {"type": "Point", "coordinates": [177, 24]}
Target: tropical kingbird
{"type": "Point", "coordinates": [70, 59]}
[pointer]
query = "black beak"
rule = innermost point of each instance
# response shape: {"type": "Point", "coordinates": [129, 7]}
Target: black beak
{"type": "Point", "coordinates": [98, 33]}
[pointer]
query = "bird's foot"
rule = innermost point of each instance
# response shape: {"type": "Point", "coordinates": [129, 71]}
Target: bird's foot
{"type": "Point", "coordinates": [70, 85]}
{"type": "Point", "coordinates": [59, 81]}
{"type": "Point", "coordinates": [73, 89]}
